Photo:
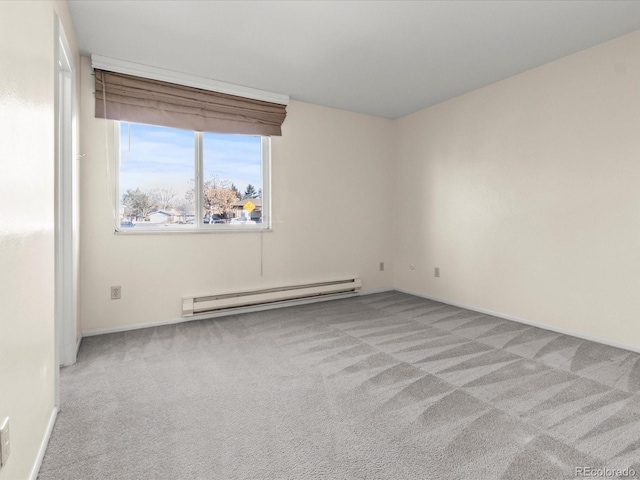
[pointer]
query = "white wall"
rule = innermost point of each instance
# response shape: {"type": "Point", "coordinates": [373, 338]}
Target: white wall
{"type": "Point", "coordinates": [27, 367]}
{"type": "Point", "coordinates": [526, 194]}
{"type": "Point", "coordinates": [331, 208]}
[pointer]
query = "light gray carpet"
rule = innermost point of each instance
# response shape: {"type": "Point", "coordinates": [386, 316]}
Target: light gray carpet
{"type": "Point", "coordinates": [386, 386]}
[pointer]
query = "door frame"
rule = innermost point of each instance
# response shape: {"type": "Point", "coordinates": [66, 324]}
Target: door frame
{"type": "Point", "coordinates": [65, 216]}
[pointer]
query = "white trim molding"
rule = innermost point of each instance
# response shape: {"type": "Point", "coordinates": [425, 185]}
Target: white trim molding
{"type": "Point", "coordinates": [171, 76]}
{"type": "Point", "coordinates": [43, 445]}
{"type": "Point", "coordinates": [66, 169]}
{"type": "Point", "coordinates": [377, 290]}
{"type": "Point", "coordinates": [544, 326]}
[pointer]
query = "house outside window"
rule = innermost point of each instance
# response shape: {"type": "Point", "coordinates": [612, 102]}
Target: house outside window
{"type": "Point", "coordinates": [172, 180]}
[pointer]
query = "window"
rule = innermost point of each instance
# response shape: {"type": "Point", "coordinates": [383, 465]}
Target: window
{"type": "Point", "coordinates": [179, 180]}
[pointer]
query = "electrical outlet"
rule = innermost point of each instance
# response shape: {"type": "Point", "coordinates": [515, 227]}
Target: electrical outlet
{"type": "Point", "coordinates": [436, 272]}
{"type": "Point", "coordinates": [5, 445]}
{"type": "Point", "coordinates": [382, 266]}
{"type": "Point", "coordinates": [116, 293]}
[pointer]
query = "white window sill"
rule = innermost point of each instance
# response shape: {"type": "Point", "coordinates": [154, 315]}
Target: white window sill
{"type": "Point", "coordinates": [189, 231]}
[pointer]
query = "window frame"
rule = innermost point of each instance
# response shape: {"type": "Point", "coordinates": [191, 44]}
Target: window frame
{"type": "Point", "coordinates": [198, 226]}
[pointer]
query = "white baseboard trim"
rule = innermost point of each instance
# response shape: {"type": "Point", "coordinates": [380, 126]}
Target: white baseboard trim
{"type": "Point", "coordinates": [75, 356]}
{"type": "Point", "coordinates": [377, 290]}
{"type": "Point", "coordinates": [544, 326]}
{"type": "Point", "coordinates": [206, 316]}
{"type": "Point", "coordinates": [43, 445]}
{"type": "Point", "coordinates": [78, 345]}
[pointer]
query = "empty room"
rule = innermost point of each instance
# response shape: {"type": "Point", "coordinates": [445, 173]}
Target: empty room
{"type": "Point", "coordinates": [319, 239]}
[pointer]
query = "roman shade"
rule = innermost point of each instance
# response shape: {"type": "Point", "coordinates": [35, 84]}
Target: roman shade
{"type": "Point", "coordinates": [142, 100]}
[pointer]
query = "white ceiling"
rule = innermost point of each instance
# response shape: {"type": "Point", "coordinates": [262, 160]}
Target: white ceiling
{"type": "Point", "coordinates": [384, 58]}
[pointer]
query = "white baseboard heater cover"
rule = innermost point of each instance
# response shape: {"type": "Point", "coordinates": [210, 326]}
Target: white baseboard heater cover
{"type": "Point", "coordinates": [213, 303]}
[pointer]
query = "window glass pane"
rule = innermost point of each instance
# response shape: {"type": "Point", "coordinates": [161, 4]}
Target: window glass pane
{"type": "Point", "coordinates": [232, 174]}
{"type": "Point", "coordinates": [156, 177]}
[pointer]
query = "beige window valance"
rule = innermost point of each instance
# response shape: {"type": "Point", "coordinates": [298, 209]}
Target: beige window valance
{"type": "Point", "coordinates": [141, 100]}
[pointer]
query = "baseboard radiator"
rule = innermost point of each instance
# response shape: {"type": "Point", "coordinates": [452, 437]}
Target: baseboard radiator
{"type": "Point", "coordinates": [230, 301]}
